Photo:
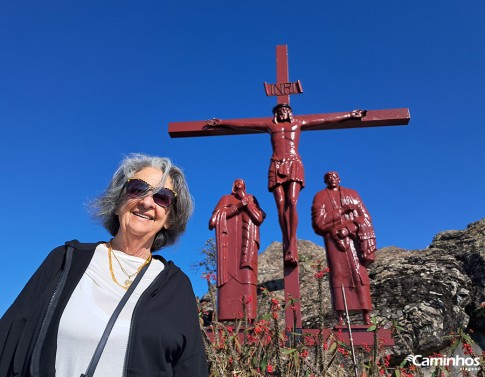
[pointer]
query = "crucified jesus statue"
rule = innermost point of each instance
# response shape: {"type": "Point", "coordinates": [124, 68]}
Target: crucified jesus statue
{"type": "Point", "coordinates": [285, 175]}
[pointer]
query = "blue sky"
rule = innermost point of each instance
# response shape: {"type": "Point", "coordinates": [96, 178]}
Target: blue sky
{"type": "Point", "coordinates": [83, 83]}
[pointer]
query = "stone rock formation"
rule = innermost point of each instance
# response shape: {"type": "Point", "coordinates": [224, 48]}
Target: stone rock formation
{"type": "Point", "coordinates": [429, 293]}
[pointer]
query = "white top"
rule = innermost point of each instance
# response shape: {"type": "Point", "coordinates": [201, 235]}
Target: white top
{"type": "Point", "coordinates": [88, 311]}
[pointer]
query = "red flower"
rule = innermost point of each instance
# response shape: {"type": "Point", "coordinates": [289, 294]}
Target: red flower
{"type": "Point", "coordinates": [209, 277]}
{"type": "Point", "coordinates": [343, 351]}
{"type": "Point", "coordinates": [309, 340]}
{"type": "Point", "coordinates": [246, 299]}
{"type": "Point", "coordinates": [467, 349]}
{"type": "Point", "coordinates": [321, 273]}
{"type": "Point", "coordinates": [269, 368]}
{"type": "Point", "coordinates": [387, 360]}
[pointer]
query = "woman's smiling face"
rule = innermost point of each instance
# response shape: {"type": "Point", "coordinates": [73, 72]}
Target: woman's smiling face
{"type": "Point", "coordinates": [142, 218]}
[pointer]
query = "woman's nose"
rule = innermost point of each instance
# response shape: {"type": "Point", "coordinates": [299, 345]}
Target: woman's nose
{"type": "Point", "coordinates": [147, 201]}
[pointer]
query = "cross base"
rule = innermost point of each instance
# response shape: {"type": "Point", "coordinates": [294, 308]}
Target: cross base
{"type": "Point", "coordinates": [292, 291]}
{"type": "Point", "coordinates": [360, 336]}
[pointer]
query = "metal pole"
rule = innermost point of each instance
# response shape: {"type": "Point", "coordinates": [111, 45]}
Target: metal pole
{"type": "Point", "coordinates": [354, 361]}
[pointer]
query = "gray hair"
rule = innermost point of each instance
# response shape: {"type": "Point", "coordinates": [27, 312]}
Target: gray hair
{"type": "Point", "coordinates": [105, 206]}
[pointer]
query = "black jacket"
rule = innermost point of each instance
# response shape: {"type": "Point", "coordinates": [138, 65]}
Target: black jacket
{"type": "Point", "coordinates": [164, 340]}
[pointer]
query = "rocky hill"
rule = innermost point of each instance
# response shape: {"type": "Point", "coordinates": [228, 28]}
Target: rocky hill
{"type": "Point", "coordinates": [429, 293]}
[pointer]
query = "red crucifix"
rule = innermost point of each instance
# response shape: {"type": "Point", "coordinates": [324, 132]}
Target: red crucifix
{"type": "Point", "coordinates": [286, 175]}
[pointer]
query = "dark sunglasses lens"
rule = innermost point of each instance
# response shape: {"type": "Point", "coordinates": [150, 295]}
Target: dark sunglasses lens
{"type": "Point", "coordinates": [136, 188]}
{"type": "Point", "coordinates": [164, 198]}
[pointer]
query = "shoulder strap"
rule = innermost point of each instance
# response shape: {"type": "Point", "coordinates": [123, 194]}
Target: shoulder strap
{"type": "Point", "coordinates": [104, 338]}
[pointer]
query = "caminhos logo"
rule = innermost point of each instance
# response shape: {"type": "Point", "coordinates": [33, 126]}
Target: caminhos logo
{"type": "Point", "coordinates": [456, 361]}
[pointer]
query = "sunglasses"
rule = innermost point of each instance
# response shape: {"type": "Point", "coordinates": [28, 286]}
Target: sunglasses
{"type": "Point", "coordinates": [138, 188]}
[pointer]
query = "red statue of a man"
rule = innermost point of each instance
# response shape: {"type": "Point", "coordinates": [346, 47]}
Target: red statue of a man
{"type": "Point", "coordinates": [286, 175]}
{"type": "Point", "coordinates": [236, 219]}
{"type": "Point", "coordinates": [339, 215]}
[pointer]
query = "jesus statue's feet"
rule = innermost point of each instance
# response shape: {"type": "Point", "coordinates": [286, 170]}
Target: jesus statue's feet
{"type": "Point", "coordinates": [291, 257]}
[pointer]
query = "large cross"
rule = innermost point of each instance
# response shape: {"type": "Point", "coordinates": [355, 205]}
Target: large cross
{"type": "Point", "coordinates": [283, 88]}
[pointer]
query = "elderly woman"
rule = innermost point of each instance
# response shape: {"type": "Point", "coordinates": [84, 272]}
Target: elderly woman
{"type": "Point", "coordinates": [55, 324]}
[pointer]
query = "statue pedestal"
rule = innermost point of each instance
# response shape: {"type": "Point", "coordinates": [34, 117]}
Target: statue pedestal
{"type": "Point", "coordinates": [360, 336]}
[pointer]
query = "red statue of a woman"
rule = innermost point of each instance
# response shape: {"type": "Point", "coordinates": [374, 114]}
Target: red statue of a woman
{"type": "Point", "coordinates": [236, 219]}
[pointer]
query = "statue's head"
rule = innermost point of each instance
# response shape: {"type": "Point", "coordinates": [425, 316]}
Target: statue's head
{"type": "Point", "coordinates": [238, 185]}
{"type": "Point", "coordinates": [282, 113]}
{"type": "Point", "coordinates": [331, 179]}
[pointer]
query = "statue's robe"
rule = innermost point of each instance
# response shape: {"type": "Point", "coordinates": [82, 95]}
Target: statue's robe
{"type": "Point", "coordinates": [237, 242]}
{"type": "Point", "coordinates": [346, 257]}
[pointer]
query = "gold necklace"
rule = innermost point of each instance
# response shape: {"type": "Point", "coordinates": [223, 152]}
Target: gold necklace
{"type": "Point", "coordinates": [112, 273]}
{"type": "Point", "coordinates": [122, 269]}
